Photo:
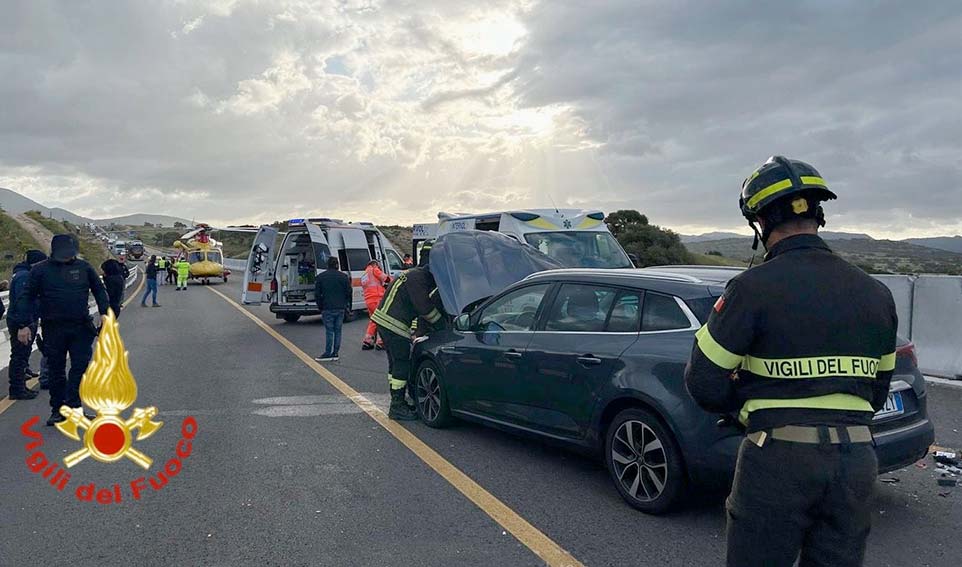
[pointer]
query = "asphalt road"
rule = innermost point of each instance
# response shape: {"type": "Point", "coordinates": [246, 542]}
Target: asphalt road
{"type": "Point", "coordinates": [286, 470]}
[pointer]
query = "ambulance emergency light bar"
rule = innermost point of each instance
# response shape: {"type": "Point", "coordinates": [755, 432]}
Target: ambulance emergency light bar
{"type": "Point", "coordinates": [302, 222]}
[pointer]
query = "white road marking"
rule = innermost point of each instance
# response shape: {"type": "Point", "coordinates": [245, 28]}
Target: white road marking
{"type": "Point", "coordinates": [313, 406]}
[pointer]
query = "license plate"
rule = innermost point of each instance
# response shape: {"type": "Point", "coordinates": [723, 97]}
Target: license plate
{"type": "Point", "coordinates": [893, 406]}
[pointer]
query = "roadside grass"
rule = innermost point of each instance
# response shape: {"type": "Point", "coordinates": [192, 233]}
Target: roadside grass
{"type": "Point", "coordinates": [14, 243]}
{"type": "Point", "coordinates": [91, 249]}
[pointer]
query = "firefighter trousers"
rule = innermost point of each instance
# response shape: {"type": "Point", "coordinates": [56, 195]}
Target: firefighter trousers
{"type": "Point", "coordinates": [790, 499]}
{"type": "Point", "coordinates": [398, 359]}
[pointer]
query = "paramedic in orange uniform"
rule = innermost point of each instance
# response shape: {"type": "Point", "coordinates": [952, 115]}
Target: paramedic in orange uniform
{"type": "Point", "coordinates": [373, 282]}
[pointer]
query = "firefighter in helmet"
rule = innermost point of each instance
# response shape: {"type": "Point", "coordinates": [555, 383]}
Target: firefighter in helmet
{"type": "Point", "coordinates": [801, 350]}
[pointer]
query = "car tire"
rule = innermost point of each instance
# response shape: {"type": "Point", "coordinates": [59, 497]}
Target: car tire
{"type": "Point", "coordinates": [644, 461]}
{"type": "Point", "coordinates": [431, 398]}
{"type": "Point", "coordinates": [291, 318]}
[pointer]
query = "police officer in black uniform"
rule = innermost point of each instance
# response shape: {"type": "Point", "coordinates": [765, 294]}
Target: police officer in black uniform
{"type": "Point", "coordinates": [20, 352]}
{"type": "Point", "coordinates": [801, 349]}
{"type": "Point", "coordinates": [62, 285]}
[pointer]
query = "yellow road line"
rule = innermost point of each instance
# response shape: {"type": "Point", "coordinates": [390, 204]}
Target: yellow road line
{"type": "Point", "coordinates": [5, 403]}
{"type": "Point", "coordinates": [132, 296]}
{"type": "Point", "coordinates": [543, 546]}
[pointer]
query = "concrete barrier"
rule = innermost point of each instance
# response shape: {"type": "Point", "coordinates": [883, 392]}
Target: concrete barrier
{"type": "Point", "coordinates": [902, 288]}
{"type": "Point", "coordinates": [236, 266]}
{"type": "Point", "coordinates": [937, 324]}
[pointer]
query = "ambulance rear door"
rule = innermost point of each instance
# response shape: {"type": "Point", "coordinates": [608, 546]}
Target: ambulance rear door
{"type": "Point", "coordinates": [353, 255]}
{"type": "Point", "coordinates": [260, 267]}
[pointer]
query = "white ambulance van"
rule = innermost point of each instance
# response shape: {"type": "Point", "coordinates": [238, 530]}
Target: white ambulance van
{"type": "Point", "coordinates": [282, 266]}
{"type": "Point", "coordinates": [577, 238]}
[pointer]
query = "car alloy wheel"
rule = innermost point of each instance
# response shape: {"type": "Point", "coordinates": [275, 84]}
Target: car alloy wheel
{"type": "Point", "coordinates": [639, 461]}
{"type": "Point", "coordinates": [644, 461]}
{"type": "Point", "coordinates": [432, 404]}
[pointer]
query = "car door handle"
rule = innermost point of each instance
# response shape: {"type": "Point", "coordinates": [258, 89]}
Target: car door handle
{"type": "Point", "coordinates": [588, 360]}
{"type": "Point", "coordinates": [449, 350]}
{"type": "Point", "coordinates": [512, 354]}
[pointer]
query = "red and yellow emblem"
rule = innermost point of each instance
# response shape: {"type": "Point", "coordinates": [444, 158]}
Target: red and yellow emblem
{"type": "Point", "coordinates": [108, 387]}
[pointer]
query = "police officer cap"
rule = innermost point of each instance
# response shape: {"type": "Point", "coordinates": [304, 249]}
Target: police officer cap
{"type": "Point", "coordinates": [64, 247]}
{"type": "Point", "coordinates": [35, 257]}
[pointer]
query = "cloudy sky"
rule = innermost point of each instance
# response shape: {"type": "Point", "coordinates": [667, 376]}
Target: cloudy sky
{"type": "Point", "coordinates": [390, 111]}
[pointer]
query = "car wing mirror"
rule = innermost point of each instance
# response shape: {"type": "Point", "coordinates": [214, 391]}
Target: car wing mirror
{"type": "Point", "coordinates": [463, 322]}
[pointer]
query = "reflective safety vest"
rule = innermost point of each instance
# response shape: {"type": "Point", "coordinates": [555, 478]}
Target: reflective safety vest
{"type": "Point", "coordinates": [372, 283]}
{"type": "Point", "coordinates": [805, 338]}
{"type": "Point", "coordinates": [183, 268]}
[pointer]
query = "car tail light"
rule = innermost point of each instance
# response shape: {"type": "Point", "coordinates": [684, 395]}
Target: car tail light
{"type": "Point", "coordinates": [273, 285]}
{"type": "Point", "coordinates": [907, 352]}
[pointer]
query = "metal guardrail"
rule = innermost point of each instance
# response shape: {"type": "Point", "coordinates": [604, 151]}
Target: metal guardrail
{"type": "Point", "coordinates": [5, 335]}
{"type": "Point", "coordinates": [235, 265]}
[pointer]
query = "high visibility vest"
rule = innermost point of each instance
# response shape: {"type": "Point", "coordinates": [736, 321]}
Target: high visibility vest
{"type": "Point", "coordinates": [372, 282]}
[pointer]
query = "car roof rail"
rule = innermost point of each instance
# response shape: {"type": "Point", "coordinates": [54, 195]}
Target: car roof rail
{"type": "Point", "coordinates": [631, 272]}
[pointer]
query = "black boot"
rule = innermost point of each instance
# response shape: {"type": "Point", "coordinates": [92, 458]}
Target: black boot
{"type": "Point", "coordinates": [55, 418]}
{"type": "Point", "coordinates": [23, 394]}
{"type": "Point", "coordinates": [399, 409]}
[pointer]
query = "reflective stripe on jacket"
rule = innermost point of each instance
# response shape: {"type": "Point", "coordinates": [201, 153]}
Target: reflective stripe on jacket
{"type": "Point", "coordinates": [804, 339]}
{"type": "Point", "coordinates": [407, 298]}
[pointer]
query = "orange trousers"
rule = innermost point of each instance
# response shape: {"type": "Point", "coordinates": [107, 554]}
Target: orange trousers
{"type": "Point", "coordinates": [372, 303]}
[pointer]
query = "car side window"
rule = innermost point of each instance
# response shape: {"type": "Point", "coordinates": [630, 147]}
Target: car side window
{"type": "Point", "coordinates": [626, 313]}
{"type": "Point", "coordinates": [580, 308]}
{"type": "Point", "coordinates": [514, 311]}
{"type": "Point", "coordinates": [662, 313]}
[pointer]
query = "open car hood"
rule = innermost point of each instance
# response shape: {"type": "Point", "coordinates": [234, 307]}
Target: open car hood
{"type": "Point", "coordinates": [474, 264]}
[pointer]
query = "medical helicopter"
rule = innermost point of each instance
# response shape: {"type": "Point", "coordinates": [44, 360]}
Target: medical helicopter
{"type": "Point", "coordinates": [203, 253]}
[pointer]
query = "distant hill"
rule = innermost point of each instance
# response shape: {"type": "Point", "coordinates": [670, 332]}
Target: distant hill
{"type": "Point", "coordinates": [686, 238]}
{"type": "Point", "coordinates": [400, 236]}
{"type": "Point", "coordinates": [878, 256]}
{"type": "Point", "coordinates": [15, 204]}
{"type": "Point", "coordinates": [947, 243]}
{"type": "Point", "coordinates": [710, 236]}
{"type": "Point", "coordinates": [830, 235]}
{"type": "Point", "coordinates": [139, 219]}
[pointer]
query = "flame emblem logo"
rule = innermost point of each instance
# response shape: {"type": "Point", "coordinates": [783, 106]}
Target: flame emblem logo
{"type": "Point", "coordinates": [109, 388]}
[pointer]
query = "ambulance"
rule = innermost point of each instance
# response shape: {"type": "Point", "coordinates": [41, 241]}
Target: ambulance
{"type": "Point", "coordinates": [574, 237]}
{"type": "Point", "coordinates": [282, 266]}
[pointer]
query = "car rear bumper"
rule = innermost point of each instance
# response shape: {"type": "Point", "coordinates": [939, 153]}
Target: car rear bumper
{"type": "Point", "coordinates": [897, 448]}
{"type": "Point", "coordinates": [282, 310]}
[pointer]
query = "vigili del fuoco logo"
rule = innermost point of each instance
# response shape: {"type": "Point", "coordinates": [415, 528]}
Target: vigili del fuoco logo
{"type": "Point", "coordinates": [108, 387]}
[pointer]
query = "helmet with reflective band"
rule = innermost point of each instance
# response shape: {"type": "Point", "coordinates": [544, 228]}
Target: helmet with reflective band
{"type": "Point", "coordinates": [777, 178]}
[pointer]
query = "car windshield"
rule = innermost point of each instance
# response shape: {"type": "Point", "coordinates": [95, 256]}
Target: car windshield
{"type": "Point", "coordinates": [581, 249]}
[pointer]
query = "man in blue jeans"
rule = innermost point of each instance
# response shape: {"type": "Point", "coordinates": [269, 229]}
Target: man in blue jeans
{"type": "Point", "coordinates": [332, 291]}
{"type": "Point", "coordinates": [150, 278]}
